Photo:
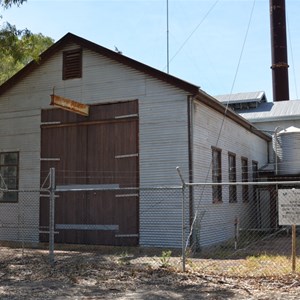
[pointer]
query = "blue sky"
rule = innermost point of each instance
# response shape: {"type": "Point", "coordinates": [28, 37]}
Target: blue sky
{"type": "Point", "coordinates": [206, 37]}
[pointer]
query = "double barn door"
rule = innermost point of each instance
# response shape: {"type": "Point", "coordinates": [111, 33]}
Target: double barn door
{"type": "Point", "coordinates": [99, 151]}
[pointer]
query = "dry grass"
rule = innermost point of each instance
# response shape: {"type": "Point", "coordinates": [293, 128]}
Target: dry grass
{"type": "Point", "coordinates": [89, 275]}
{"type": "Point", "coordinates": [251, 266]}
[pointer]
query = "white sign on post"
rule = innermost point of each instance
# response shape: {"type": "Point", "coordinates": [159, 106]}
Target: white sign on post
{"type": "Point", "coordinates": [289, 206]}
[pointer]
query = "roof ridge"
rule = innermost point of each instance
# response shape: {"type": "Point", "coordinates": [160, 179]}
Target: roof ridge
{"type": "Point", "coordinates": [70, 37]}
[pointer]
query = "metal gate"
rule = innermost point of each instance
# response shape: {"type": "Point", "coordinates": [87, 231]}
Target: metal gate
{"type": "Point", "coordinates": [100, 150]}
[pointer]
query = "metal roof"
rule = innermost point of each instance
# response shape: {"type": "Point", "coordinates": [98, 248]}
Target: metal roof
{"type": "Point", "coordinates": [259, 97]}
{"type": "Point", "coordinates": [281, 110]}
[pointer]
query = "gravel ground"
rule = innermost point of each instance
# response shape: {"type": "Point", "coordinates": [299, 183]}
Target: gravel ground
{"type": "Point", "coordinates": [92, 276]}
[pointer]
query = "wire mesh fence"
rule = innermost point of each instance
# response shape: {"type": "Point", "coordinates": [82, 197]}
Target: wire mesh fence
{"type": "Point", "coordinates": [235, 229]}
{"type": "Point", "coordinates": [212, 228]}
{"type": "Point", "coordinates": [19, 229]}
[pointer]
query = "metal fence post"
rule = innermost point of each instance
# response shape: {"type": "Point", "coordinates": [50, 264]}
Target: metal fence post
{"type": "Point", "coordinates": [183, 229]}
{"type": "Point", "coordinates": [51, 215]}
{"type": "Point", "coordinates": [294, 247]}
{"type": "Point", "coordinates": [23, 225]}
{"type": "Point", "coordinates": [183, 220]}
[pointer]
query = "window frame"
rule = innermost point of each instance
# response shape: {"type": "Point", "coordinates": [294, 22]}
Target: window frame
{"type": "Point", "coordinates": [5, 195]}
{"type": "Point", "coordinates": [245, 178]}
{"type": "Point", "coordinates": [254, 179]}
{"type": "Point", "coordinates": [216, 172]}
{"type": "Point", "coordinates": [254, 171]}
{"type": "Point", "coordinates": [232, 177]}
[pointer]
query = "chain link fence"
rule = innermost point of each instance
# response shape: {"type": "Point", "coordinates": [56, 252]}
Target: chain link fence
{"type": "Point", "coordinates": [235, 230]}
{"type": "Point", "coordinates": [19, 231]}
{"type": "Point", "coordinates": [228, 228]}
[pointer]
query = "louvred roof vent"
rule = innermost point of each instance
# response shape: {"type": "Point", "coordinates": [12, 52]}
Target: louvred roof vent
{"type": "Point", "coordinates": [72, 64]}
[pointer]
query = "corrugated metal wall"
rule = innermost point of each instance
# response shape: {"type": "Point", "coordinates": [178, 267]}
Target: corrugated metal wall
{"type": "Point", "coordinates": [235, 139]}
{"type": "Point", "coordinates": [163, 128]}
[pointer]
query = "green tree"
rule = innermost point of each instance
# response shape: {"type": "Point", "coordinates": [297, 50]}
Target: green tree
{"type": "Point", "coordinates": [18, 47]}
{"type": "Point", "coordinates": [9, 3]}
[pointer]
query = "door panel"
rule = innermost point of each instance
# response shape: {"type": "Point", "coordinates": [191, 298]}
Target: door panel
{"type": "Point", "coordinates": [88, 150]}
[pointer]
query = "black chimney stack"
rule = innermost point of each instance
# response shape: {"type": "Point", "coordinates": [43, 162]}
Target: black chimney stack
{"type": "Point", "coordinates": [279, 51]}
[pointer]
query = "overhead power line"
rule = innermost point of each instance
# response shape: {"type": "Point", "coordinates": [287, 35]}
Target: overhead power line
{"type": "Point", "coordinates": [224, 117]}
{"type": "Point", "coordinates": [191, 34]}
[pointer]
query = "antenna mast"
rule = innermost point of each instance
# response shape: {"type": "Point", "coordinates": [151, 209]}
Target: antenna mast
{"type": "Point", "coordinates": [168, 36]}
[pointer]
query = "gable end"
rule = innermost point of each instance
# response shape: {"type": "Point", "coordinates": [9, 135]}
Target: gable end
{"type": "Point", "coordinates": [83, 43]}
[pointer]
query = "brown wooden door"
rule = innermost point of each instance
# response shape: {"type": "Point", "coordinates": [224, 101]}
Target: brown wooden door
{"type": "Point", "coordinates": [101, 150]}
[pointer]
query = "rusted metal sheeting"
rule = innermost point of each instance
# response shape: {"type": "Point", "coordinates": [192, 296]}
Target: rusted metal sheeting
{"type": "Point", "coordinates": [70, 105]}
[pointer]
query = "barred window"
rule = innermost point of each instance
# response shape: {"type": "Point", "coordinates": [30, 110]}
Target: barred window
{"type": "Point", "coordinates": [9, 170]}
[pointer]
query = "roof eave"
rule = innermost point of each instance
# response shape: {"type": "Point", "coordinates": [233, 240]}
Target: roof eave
{"type": "Point", "coordinates": [218, 106]}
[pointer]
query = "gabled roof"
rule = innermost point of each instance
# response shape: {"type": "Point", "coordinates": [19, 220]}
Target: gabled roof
{"type": "Point", "coordinates": [192, 89]}
{"type": "Point", "coordinates": [273, 111]}
{"type": "Point", "coordinates": [71, 38]}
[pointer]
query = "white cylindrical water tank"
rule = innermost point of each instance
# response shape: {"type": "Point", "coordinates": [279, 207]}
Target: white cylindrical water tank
{"type": "Point", "coordinates": [286, 145]}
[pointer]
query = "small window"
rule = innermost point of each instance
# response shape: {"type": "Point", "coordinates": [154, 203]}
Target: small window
{"type": "Point", "coordinates": [216, 175]}
{"type": "Point", "coordinates": [254, 171]}
{"type": "Point", "coordinates": [254, 179]}
{"type": "Point", "coordinates": [232, 177]}
{"type": "Point", "coordinates": [9, 169]}
{"type": "Point", "coordinates": [245, 188]}
{"type": "Point", "coordinates": [72, 64]}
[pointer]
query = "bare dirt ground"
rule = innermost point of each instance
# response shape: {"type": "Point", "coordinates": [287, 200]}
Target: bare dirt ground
{"type": "Point", "coordinates": [82, 275]}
